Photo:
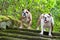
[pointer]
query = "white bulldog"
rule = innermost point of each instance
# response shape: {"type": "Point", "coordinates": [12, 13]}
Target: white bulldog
{"type": "Point", "coordinates": [46, 21]}
{"type": "Point", "coordinates": [26, 17]}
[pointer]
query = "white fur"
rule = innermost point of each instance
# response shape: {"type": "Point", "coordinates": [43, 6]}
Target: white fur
{"type": "Point", "coordinates": [46, 25]}
{"type": "Point", "coordinates": [26, 18]}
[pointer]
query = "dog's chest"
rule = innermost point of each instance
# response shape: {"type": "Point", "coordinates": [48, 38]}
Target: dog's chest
{"type": "Point", "coordinates": [47, 24]}
{"type": "Point", "coordinates": [25, 19]}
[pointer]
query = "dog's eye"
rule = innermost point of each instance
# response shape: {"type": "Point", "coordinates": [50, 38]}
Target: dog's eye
{"type": "Point", "coordinates": [26, 12]}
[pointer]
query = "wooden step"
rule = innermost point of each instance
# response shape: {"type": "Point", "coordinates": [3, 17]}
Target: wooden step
{"type": "Point", "coordinates": [21, 36]}
{"type": "Point", "coordinates": [9, 38]}
{"type": "Point", "coordinates": [35, 31]}
{"type": "Point", "coordinates": [27, 34]}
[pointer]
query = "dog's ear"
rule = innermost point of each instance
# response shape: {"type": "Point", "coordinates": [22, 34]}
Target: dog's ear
{"type": "Point", "coordinates": [50, 14]}
{"type": "Point", "coordinates": [28, 9]}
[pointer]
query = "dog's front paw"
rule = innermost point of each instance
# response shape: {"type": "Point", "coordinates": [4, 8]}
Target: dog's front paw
{"type": "Point", "coordinates": [20, 27]}
{"type": "Point", "coordinates": [41, 33]}
{"type": "Point", "coordinates": [29, 28]}
{"type": "Point", "coordinates": [50, 35]}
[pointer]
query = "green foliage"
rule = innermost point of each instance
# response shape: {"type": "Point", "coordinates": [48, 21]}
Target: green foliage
{"type": "Point", "coordinates": [3, 18]}
{"type": "Point", "coordinates": [12, 9]}
{"type": "Point", "coordinates": [9, 21]}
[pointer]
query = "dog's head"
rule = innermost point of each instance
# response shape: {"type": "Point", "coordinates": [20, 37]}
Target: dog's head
{"type": "Point", "coordinates": [25, 12]}
{"type": "Point", "coordinates": [47, 17]}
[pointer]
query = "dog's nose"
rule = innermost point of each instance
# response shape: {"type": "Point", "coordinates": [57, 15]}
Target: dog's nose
{"type": "Point", "coordinates": [24, 14]}
{"type": "Point", "coordinates": [45, 18]}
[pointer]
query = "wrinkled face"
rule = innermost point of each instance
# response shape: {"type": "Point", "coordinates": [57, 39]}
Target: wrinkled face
{"type": "Point", "coordinates": [46, 18]}
{"type": "Point", "coordinates": [25, 12]}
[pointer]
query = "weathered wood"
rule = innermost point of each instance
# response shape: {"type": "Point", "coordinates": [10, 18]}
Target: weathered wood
{"type": "Point", "coordinates": [27, 34]}
{"type": "Point", "coordinates": [9, 38]}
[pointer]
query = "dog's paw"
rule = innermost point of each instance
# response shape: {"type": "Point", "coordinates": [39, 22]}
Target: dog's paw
{"type": "Point", "coordinates": [20, 27]}
{"type": "Point", "coordinates": [29, 28]}
{"type": "Point", "coordinates": [41, 33]}
{"type": "Point", "coordinates": [50, 35]}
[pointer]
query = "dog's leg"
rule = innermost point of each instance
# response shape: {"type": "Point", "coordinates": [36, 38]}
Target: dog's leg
{"type": "Point", "coordinates": [29, 24]}
{"type": "Point", "coordinates": [52, 24]}
{"type": "Point", "coordinates": [42, 26]}
{"type": "Point", "coordinates": [50, 31]}
{"type": "Point", "coordinates": [42, 29]}
{"type": "Point", "coordinates": [21, 25]}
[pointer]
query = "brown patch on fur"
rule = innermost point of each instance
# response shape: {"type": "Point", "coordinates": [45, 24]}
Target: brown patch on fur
{"type": "Point", "coordinates": [27, 19]}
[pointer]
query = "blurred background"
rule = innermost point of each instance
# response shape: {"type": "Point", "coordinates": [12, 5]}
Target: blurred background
{"type": "Point", "coordinates": [11, 10]}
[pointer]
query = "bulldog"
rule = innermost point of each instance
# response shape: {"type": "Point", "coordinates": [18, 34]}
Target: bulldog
{"type": "Point", "coordinates": [26, 17]}
{"type": "Point", "coordinates": [46, 21]}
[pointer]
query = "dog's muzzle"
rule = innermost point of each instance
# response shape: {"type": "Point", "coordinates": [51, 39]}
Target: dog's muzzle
{"type": "Point", "coordinates": [45, 20]}
{"type": "Point", "coordinates": [24, 14]}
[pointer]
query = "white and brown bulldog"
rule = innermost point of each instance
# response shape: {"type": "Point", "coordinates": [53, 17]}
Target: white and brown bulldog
{"type": "Point", "coordinates": [26, 17]}
{"type": "Point", "coordinates": [46, 21]}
